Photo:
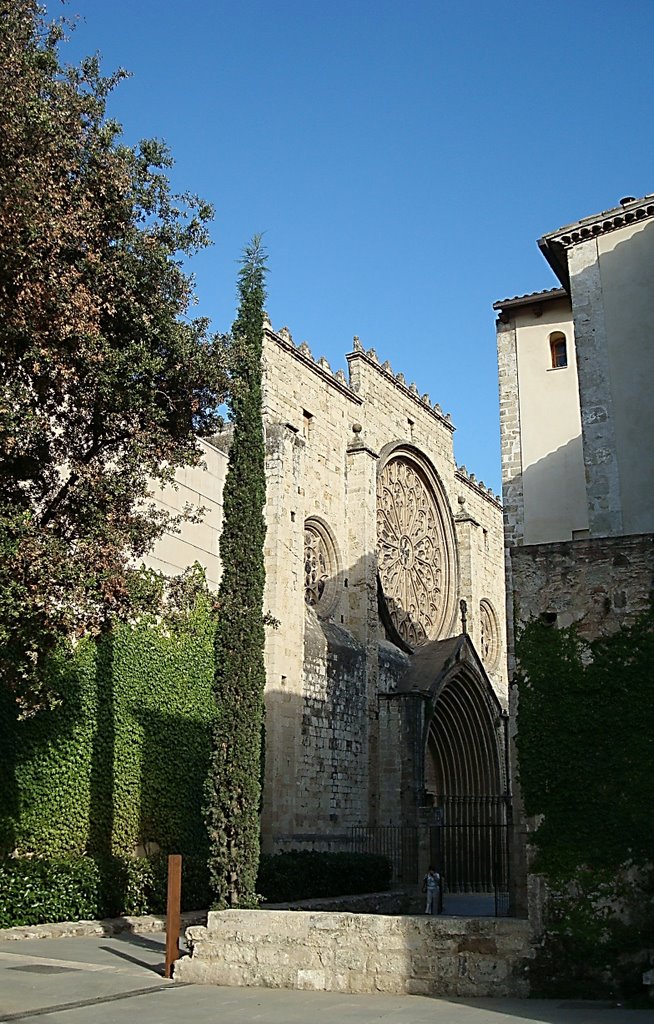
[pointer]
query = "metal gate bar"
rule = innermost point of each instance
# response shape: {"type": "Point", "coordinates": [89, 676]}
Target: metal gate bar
{"type": "Point", "coordinates": [469, 847]}
{"type": "Point", "coordinates": [398, 843]}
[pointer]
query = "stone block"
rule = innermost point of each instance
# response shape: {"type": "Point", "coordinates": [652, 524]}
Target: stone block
{"type": "Point", "coordinates": [307, 979]}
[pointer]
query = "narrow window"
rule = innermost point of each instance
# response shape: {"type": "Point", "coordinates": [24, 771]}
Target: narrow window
{"type": "Point", "coordinates": [558, 350]}
{"type": "Point", "coordinates": [306, 424]}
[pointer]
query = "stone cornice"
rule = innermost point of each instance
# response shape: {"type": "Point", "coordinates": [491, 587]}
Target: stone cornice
{"type": "Point", "coordinates": [629, 212]}
{"type": "Point", "coordinates": [477, 486]}
{"type": "Point", "coordinates": [320, 367]}
{"type": "Point", "coordinates": [554, 245]}
{"type": "Point", "coordinates": [397, 380]}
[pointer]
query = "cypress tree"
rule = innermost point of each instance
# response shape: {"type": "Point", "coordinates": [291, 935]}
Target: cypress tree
{"type": "Point", "coordinates": [234, 786]}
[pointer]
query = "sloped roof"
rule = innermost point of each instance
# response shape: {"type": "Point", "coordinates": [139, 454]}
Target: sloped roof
{"type": "Point", "coordinates": [554, 244]}
{"type": "Point", "coordinates": [530, 298]}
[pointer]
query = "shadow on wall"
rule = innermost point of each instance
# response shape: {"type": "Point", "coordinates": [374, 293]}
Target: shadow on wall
{"type": "Point", "coordinates": [326, 760]}
{"type": "Point", "coordinates": [320, 750]}
{"type": "Point", "coordinates": [554, 495]}
{"type": "Point", "coordinates": [346, 739]}
{"type": "Point", "coordinates": [616, 367]}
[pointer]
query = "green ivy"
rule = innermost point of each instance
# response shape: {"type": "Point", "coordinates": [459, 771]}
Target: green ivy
{"type": "Point", "coordinates": [586, 749]}
{"type": "Point", "coordinates": [120, 761]}
{"type": "Point", "coordinates": [40, 891]}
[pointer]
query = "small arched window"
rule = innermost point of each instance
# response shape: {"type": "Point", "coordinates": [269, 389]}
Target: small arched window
{"type": "Point", "coordinates": [558, 350]}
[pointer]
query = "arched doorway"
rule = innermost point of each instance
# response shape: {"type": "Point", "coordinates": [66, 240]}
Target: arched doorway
{"type": "Point", "coordinates": [465, 774]}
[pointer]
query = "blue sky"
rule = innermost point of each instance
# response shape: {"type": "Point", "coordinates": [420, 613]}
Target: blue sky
{"type": "Point", "coordinates": [401, 159]}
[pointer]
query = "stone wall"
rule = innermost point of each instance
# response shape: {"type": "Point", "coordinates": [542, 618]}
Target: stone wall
{"type": "Point", "coordinates": [334, 756]}
{"type": "Point", "coordinates": [336, 952]}
{"type": "Point", "coordinates": [598, 585]}
{"type": "Point", "coordinates": [330, 757]}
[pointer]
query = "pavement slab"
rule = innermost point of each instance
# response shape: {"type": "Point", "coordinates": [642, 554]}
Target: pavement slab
{"type": "Point", "coordinates": [119, 979]}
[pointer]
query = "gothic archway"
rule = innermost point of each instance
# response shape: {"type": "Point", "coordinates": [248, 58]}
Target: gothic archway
{"type": "Point", "coordinates": [465, 770]}
{"type": "Point", "coordinates": [464, 756]}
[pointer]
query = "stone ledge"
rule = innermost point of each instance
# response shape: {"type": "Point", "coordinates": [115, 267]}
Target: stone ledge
{"type": "Point", "coordinates": [346, 952]}
{"type": "Point", "coordinates": [108, 926]}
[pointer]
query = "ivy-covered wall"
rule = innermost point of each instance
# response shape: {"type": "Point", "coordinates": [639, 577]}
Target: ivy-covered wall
{"type": "Point", "coordinates": [586, 759]}
{"type": "Point", "coordinates": [120, 762]}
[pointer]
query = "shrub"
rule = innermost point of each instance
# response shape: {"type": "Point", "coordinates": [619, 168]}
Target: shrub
{"type": "Point", "coordinates": [308, 874]}
{"type": "Point", "coordinates": [40, 891]}
{"type": "Point", "coordinates": [36, 891]}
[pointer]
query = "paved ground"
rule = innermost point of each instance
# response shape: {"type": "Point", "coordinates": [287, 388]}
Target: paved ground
{"type": "Point", "coordinates": [111, 980]}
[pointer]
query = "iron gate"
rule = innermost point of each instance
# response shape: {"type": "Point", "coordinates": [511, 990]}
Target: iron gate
{"type": "Point", "coordinates": [399, 844]}
{"type": "Point", "coordinates": [469, 846]}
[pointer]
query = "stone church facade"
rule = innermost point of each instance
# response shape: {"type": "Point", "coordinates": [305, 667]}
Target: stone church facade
{"type": "Point", "coordinates": [386, 677]}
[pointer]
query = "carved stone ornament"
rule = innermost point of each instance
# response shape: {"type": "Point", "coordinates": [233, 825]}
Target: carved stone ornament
{"type": "Point", "coordinates": [490, 640]}
{"type": "Point", "coordinates": [319, 566]}
{"type": "Point", "coordinates": [411, 552]}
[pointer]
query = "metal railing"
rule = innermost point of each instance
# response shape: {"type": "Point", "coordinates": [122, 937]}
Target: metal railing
{"type": "Point", "coordinates": [399, 844]}
{"type": "Point", "coordinates": [469, 847]}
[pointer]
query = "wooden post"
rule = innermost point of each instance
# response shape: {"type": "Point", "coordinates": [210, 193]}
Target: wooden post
{"type": "Point", "coordinates": [173, 907]}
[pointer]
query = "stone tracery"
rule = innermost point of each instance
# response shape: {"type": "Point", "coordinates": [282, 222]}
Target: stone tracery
{"type": "Point", "coordinates": [319, 565]}
{"type": "Point", "coordinates": [489, 634]}
{"type": "Point", "coordinates": [411, 551]}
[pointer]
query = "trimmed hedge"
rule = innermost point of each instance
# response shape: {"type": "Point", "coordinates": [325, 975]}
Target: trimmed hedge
{"type": "Point", "coordinates": [307, 874]}
{"type": "Point", "coordinates": [36, 891]}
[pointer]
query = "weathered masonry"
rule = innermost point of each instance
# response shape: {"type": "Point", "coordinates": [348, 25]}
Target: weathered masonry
{"type": "Point", "coordinates": [339, 952]}
{"type": "Point", "coordinates": [386, 679]}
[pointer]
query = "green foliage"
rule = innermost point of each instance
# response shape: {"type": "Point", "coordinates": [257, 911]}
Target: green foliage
{"type": "Point", "coordinates": [38, 891]}
{"type": "Point", "coordinates": [104, 380]}
{"type": "Point", "coordinates": [598, 930]}
{"type": "Point", "coordinates": [308, 874]}
{"type": "Point", "coordinates": [586, 749]}
{"type": "Point", "coordinates": [586, 745]}
{"type": "Point", "coordinates": [44, 890]}
{"type": "Point", "coordinates": [233, 785]}
{"type": "Point", "coordinates": [120, 760]}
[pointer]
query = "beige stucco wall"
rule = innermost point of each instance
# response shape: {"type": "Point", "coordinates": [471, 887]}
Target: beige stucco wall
{"type": "Point", "coordinates": [551, 448]}
{"type": "Point", "coordinates": [200, 487]}
{"type": "Point", "coordinates": [626, 260]}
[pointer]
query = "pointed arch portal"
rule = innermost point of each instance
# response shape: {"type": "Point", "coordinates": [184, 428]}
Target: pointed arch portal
{"type": "Point", "coordinates": [465, 770]}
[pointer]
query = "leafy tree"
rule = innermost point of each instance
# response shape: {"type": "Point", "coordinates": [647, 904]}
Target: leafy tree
{"type": "Point", "coordinates": [233, 787]}
{"type": "Point", "coordinates": [104, 380]}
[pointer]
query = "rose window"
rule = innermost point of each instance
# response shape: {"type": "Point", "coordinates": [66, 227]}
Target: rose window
{"type": "Point", "coordinates": [411, 552]}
